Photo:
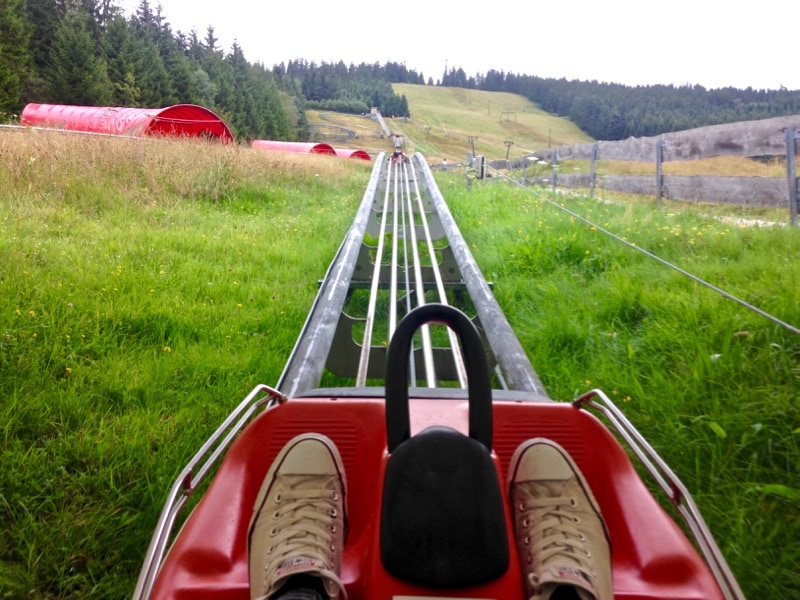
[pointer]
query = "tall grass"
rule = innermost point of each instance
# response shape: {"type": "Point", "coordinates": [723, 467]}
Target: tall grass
{"type": "Point", "coordinates": [145, 288]}
{"type": "Point", "coordinates": [713, 386]}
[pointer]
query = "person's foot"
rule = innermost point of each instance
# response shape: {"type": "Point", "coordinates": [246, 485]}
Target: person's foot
{"type": "Point", "coordinates": [561, 538]}
{"type": "Point", "coordinates": [297, 527]}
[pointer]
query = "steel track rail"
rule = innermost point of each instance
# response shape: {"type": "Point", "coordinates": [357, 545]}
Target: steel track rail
{"type": "Point", "coordinates": [402, 232]}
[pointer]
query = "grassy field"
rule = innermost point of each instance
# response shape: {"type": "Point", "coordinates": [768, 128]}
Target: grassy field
{"type": "Point", "coordinates": [444, 119]}
{"type": "Point", "coordinates": [713, 386]}
{"type": "Point", "coordinates": [146, 287]}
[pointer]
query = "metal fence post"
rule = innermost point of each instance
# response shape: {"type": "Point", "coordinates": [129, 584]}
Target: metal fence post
{"type": "Point", "coordinates": [555, 171]}
{"type": "Point", "coordinates": [791, 136]}
{"type": "Point", "coordinates": [593, 171]}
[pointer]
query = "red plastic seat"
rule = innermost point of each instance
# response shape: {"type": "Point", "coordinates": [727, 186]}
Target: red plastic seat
{"type": "Point", "coordinates": [651, 556]}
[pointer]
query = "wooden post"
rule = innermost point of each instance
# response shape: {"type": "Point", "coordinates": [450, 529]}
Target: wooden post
{"type": "Point", "coordinates": [593, 171]}
{"type": "Point", "coordinates": [659, 172]}
{"type": "Point", "coordinates": [472, 139]}
{"type": "Point", "coordinates": [791, 137]}
{"type": "Point", "coordinates": [555, 172]}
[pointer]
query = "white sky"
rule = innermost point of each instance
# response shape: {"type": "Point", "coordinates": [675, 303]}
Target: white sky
{"type": "Point", "coordinates": [714, 43]}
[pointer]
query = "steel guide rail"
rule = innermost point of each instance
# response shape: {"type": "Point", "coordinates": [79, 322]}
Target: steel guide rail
{"type": "Point", "coordinates": [190, 478]}
{"type": "Point", "coordinates": [406, 250]}
{"type": "Point", "coordinates": [418, 217]}
{"type": "Point", "coordinates": [672, 487]}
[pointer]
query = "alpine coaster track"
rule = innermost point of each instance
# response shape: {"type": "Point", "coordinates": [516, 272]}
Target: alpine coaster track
{"type": "Point", "coordinates": [374, 368]}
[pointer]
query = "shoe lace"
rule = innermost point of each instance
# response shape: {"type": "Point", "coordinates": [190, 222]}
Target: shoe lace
{"type": "Point", "coordinates": [304, 523]}
{"type": "Point", "coordinates": [553, 529]}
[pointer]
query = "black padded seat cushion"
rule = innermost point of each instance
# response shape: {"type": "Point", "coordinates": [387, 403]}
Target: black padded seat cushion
{"type": "Point", "coordinates": [442, 518]}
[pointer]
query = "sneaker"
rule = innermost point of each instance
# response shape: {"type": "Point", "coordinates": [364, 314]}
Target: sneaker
{"type": "Point", "coordinates": [562, 540]}
{"type": "Point", "coordinates": [298, 521]}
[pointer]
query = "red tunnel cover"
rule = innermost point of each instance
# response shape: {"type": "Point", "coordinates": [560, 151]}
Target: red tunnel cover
{"type": "Point", "coordinates": [303, 147]}
{"type": "Point", "coordinates": [179, 120]}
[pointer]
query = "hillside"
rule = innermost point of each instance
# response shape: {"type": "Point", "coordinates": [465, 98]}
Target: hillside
{"type": "Point", "coordinates": [443, 119]}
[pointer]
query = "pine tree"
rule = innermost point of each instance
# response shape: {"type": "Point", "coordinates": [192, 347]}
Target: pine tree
{"type": "Point", "coordinates": [157, 89]}
{"type": "Point", "coordinates": [119, 48]}
{"type": "Point", "coordinates": [44, 17]}
{"type": "Point", "coordinates": [152, 76]}
{"type": "Point", "coordinates": [76, 75]}
{"type": "Point", "coordinates": [14, 55]}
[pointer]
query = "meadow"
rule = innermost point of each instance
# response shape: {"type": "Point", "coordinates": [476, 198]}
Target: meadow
{"type": "Point", "coordinates": [713, 386]}
{"type": "Point", "coordinates": [146, 287]}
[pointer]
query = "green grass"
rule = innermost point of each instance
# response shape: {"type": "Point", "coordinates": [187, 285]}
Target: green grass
{"type": "Point", "coordinates": [146, 287]}
{"type": "Point", "coordinates": [713, 386]}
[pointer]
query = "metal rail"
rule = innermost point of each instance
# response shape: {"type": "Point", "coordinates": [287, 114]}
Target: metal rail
{"type": "Point", "coordinates": [407, 211]}
{"type": "Point", "coordinates": [191, 477]}
{"type": "Point", "coordinates": [673, 488]}
{"type": "Point", "coordinates": [405, 250]}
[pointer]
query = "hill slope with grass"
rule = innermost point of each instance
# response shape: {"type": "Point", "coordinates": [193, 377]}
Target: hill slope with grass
{"type": "Point", "coordinates": [443, 119]}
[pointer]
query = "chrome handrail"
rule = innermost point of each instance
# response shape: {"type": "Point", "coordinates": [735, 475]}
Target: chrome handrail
{"type": "Point", "coordinates": [191, 476]}
{"type": "Point", "coordinates": [673, 488]}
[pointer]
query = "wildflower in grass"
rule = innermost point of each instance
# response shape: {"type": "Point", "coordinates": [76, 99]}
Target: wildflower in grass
{"type": "Point", "coordinates": [588, 382]}
{"type": "Point", "coordinates": [627, 399]}
{"type": "Point", "coordinates": [32, 313]}
{"type": "Point", "coordinates": [167, 349]}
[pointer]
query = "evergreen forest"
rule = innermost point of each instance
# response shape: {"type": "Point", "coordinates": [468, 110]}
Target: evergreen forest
{"type": "Point", "coordinates": [88, 52]}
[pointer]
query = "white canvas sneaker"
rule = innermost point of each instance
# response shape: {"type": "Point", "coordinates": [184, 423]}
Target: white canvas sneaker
{"type": "Point", "coordinates": [298, 521]}
{"type": "Point", "coordinates": [561, 538]}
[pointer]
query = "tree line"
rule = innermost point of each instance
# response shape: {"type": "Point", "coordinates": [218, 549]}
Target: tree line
{"type": "Point", "coordinates": [87, 52]}
{"type": "Point", "coordinates": [611, 111]}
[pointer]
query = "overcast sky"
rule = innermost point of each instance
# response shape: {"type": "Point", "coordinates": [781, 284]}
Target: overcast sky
{"type": "Point", "coordinates": [714, 43]}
